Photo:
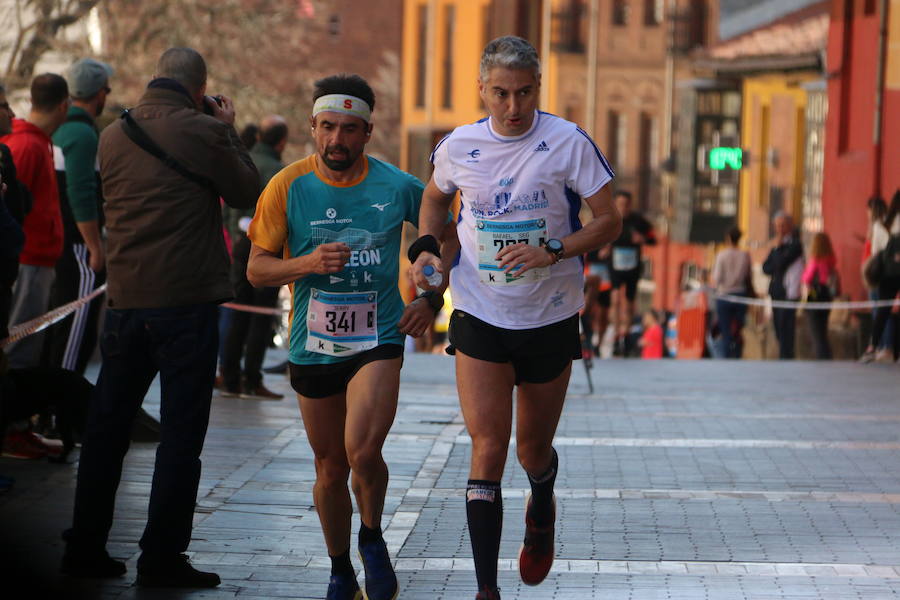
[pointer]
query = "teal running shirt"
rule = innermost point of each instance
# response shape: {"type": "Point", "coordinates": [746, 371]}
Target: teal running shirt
{"type": "Point", "coordinates": [338, 315]}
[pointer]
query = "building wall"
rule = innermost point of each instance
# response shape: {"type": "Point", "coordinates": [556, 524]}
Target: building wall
{"type": "Point", "coordinates": [851, 173]}
{"type": "Point", "coordinates": [774, 131]}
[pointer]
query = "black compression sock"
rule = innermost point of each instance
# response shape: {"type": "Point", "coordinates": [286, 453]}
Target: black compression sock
{"type": "Point", "coordinates": [368, 535]}
{"type": "Point", "coordinates": [542, 494]}
{"type": "Point", "coordinates": [341, 565]}
{"type": "Point", "coordinates": [484, 510]}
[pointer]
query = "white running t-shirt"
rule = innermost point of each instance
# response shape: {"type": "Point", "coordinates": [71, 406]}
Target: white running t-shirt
{"type": "Point", "coordinates": [515, 189]}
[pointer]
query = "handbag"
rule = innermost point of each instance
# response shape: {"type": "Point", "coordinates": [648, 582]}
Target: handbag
{"type": "Point", "coordinates": [873, 270]}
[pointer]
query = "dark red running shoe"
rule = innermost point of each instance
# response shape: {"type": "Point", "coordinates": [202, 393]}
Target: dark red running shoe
{"type": "Point", "coordinates": [536, 554]}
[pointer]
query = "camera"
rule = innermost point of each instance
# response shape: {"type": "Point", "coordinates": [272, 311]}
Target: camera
{"type": "Point", "coordinates": [206, 107]}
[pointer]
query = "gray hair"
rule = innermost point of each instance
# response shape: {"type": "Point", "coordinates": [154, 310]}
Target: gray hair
{"type": "Point", "coordinates": [781, 214]}
{"type": "Point", "coordinates": [509, 52]}
{"type": "Point", "coordinates": [184, 65]}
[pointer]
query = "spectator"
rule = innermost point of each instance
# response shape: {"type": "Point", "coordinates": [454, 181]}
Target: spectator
{"type": "Point", "coordinates": [651, 341]}
{"type": "Point", "coordinates": [877, 237]}
{"type": "Point", "coordinates": [81, 268]}
{"type": "Point", "coordinates": [731, 275]}
{"type": "Point", "coordinates": [249, 134]}
{"type": "Point", "coordinates": [821, 280]}
{"type": "Point", "coordinates": [30, 144]}
{"type": "Point", "coordinates": [785, 267]}
{"type": "Point", "coordinates": [12, 214]}
{"type": "Point", "coordinates": [168, 269]}
{"type": "Point", "coordinates": [249, 334]}
{"type": "Point", "coordinates": [889, 284]}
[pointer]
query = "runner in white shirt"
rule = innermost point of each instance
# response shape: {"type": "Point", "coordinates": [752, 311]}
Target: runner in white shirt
{"type": "Point", "coordinates": [516, 287]}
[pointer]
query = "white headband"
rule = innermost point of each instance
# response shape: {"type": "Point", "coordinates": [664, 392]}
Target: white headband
{"type": "Point", "coordinates": [340, 103]}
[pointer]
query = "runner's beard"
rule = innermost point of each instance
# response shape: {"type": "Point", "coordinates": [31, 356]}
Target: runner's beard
{"type": "Point", "coordinates": [338, 165]}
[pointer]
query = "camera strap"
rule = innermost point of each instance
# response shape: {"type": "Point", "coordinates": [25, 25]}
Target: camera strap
{"type": "Point", "coordinates": [140, 137]}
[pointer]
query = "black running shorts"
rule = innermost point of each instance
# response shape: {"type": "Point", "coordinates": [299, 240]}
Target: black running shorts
{"type": "Point", "coordinates": [627, 278]}
{"type": "Point", "coordinates": [538, 355]}
{"type": "Point", "coordinates": [604, 298]}
{"type": "Point", "coordinates": [321, 381]}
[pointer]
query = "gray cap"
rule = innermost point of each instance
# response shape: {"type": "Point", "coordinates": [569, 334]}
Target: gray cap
{"type": "Point", "coordinates": [87, 76]}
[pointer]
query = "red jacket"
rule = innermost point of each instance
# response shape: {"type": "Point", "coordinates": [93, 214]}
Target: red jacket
{"type": "Point", "coordinates": [32, 151]}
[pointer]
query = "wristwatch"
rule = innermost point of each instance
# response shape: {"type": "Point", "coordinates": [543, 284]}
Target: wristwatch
{"type": "Point", "coordinates": [555, 248]}
{"type": "Point", "coordinates": [434, 299]}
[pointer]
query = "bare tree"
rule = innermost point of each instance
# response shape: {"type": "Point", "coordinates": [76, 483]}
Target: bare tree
{"type": "Point", "coordinates": [35, 26]}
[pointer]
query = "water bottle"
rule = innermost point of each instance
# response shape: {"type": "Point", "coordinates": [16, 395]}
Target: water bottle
{"type": "Point", "coordinates": [433, 278]}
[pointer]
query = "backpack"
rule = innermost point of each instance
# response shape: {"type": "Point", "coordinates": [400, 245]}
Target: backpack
{"type": "Point", "coordinates": [890, 258]}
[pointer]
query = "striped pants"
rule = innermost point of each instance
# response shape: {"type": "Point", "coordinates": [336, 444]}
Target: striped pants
{"type": "Point", "coordinates": [71, 342]}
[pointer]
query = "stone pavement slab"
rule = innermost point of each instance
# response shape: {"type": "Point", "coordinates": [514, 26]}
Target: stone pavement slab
{"type": "Point", "coordinates": [678, 480]}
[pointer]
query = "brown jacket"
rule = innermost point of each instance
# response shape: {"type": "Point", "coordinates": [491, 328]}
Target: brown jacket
{"type": "Point", "coordinates": [164, 232]}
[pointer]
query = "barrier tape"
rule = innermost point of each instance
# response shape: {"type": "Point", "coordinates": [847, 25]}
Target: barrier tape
{"type": "Point", "coordinates": [275, 312]}
{"type": "Point", "coordinates": [23, 330]}
{"type": "Point", "coordinates": [804, 304]}
{"type": "Point", "coordinates": [44, 321]}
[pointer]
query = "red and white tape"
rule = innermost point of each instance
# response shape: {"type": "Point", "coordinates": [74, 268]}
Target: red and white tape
{"type": "Point", "coordinates": [46, 320]}
{"type": "Point", "coordinates": [56, 315]}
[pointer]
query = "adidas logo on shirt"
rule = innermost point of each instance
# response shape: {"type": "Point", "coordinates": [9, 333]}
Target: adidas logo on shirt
{"type": "Point", "coordinates": [542, 147]}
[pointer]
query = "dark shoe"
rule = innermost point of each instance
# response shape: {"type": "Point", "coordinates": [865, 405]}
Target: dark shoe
{"type": "Point", "coordinates": [381, 582]}
{"type": "Point", "coordinates": [279, 369]}
{"type": "Point", "coordinates": [99, 564]}
{"type": "Point", "coordinates": [536, 554]}
{"type": "Point", "coordinates": [343, 588]}
{"type": "Point", "coordinates": [231, 392]}
{"type": "Point", "coordinates": [262, 392]}
{"type": "Point", "coordinates": [487, 593]}
{"type": "Point", "coordinates": [175, 572]}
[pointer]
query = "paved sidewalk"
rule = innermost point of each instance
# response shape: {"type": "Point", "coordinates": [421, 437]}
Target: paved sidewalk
{"type": "Point", "coordinates": [678, 480]}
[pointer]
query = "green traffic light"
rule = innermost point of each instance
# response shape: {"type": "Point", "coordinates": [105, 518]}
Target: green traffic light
{"type": "Point", "coordinates": [722, 157]}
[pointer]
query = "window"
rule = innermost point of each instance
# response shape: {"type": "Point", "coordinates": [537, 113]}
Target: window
{"type": "Point", "coordinates": [422, 48]}
{"type": "Point", "coordinates": [620, 12]}
{"type": "Point", "coordinates": [449, 33]}
{"type": "Point", "coordinates": [615, 138]}
{"type": "Point", "coordinates": [870, 8]}
{"type": "Point", "coordinates": [648, 158]}
{"type": "Point", "coordinates": [569, 30]}
{"type": "Point", "coordinates": [653, 12]}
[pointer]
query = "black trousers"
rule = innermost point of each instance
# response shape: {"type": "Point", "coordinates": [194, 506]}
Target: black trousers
{"type": "Point", "coordinates": [248, 335]}
{"type": "Point", "coordinates": [70, 343]}
{"type": "Point", "coordinates": [887, 290]}
{"type": "Point", "coordinates": [179, 344]}
{"type": "Point", "coordinates": [818, 330]}
{"type": "Point", "coordinates": [785, 321]}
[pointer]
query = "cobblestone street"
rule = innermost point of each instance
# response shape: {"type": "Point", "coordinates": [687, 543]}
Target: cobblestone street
{"type": "Point", "coordinates": [678, 480]}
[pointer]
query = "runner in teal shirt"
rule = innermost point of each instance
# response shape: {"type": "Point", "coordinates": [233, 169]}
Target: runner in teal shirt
{"type": "Point", "coordinates": [331, 226]}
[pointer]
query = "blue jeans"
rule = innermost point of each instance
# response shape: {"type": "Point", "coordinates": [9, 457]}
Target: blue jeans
{"type": "Point", "coordinates": [179, 344]}
{"type": "Point", "coordinates": [730, 316]}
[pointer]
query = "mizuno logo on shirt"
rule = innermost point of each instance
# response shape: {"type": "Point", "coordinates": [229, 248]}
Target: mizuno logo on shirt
{"type": "Point", "coordinates": [381, 207]}
{"type": "Point", "coordinates": [542, 147]}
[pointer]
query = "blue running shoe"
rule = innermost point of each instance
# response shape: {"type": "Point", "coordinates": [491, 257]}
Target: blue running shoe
{"type": "Point", "coordinates": [381, 582]}
{"type": "Point", "coordinates": [343, 587]}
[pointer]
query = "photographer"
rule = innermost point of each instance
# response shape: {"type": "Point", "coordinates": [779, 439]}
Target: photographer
{"type": "Point", "coordinates": [163, 166]}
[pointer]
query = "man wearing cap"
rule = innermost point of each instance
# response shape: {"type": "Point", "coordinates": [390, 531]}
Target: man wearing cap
{"type": "Point", "coordinates": [80, 269]}
{"type": "Point", "coordinates": [30, 145]}
{"type": "Point", "coordinates": [330, 224]}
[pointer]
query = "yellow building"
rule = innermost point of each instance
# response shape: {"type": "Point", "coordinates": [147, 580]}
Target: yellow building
{"type": "Point", "coordinates": [774, 132]}
{"type": "Point", "coordinates": [442, 45]}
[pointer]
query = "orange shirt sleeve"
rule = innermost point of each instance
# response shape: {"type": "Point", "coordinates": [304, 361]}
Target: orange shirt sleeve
{"type": "Point", "coordinates": [269, 227]}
